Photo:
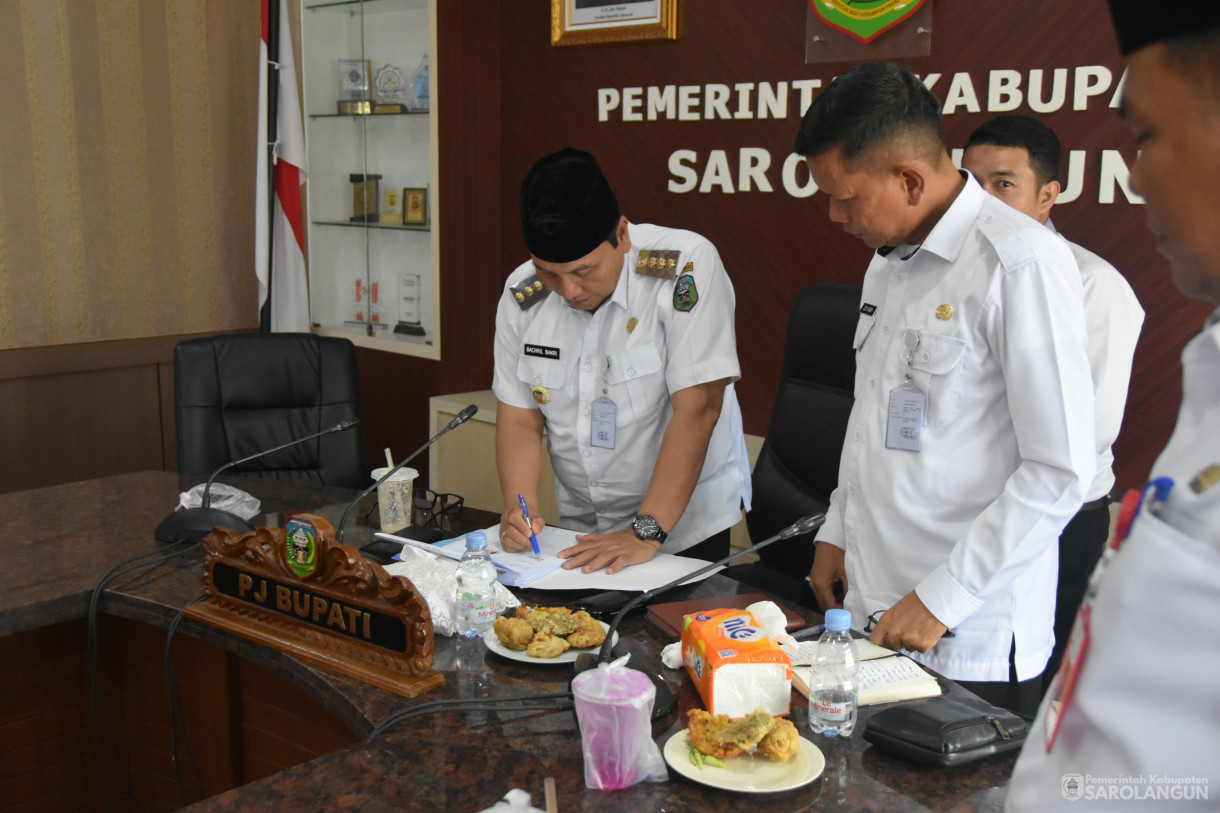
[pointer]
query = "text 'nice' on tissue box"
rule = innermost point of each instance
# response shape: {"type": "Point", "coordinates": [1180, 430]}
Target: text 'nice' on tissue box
{"type": "Point", "coordinates": [735, 665]}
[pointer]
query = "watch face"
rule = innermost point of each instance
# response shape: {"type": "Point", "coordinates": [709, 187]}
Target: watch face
{"type": "Point", "coordinates": [646, 527]}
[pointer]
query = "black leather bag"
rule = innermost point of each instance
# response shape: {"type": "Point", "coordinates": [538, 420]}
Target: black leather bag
{"type": "Point", "coordinates": [947, 730]}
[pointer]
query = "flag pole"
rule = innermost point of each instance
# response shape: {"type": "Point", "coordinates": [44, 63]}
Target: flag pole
{"type": "Point", "coordinates": [272, 8]}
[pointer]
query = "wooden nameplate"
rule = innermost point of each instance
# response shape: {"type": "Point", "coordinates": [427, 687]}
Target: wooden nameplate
{"type": "Point", "coordinates": [321, 602]}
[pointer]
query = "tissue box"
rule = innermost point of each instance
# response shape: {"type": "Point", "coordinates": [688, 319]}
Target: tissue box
{"type": "Point", "coordinates": [736, 667]}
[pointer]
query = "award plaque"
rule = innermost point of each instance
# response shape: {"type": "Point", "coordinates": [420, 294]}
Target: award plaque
{"type": "Point", "coordinates": [409, 306]}
{"type": "Point", "coordinates": [354, 87]}
{"type": "Point", "coordinates": [391, 207]}
{"type": "Point", "coordinates": [366, 198]}
{"type": "Point", "coordinates": [414, 207]}
{"type": "Point", "coordinates": [390, 90]}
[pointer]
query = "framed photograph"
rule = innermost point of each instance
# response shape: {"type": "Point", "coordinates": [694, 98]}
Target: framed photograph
{"type": "Point", "coordinates": [414, 206]}
{"type": "Point", "coordinates": [591, 22]}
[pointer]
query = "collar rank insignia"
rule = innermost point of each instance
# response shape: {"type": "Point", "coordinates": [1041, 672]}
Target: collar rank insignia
{"type": "Point", "coordinates": [944, 312]}
{"type": "Point", "coordinates": [529, 292]}
{"type": "Point", "coordinates": [658, 263]}
{"type": "Point", "coordinates": [686, 295]}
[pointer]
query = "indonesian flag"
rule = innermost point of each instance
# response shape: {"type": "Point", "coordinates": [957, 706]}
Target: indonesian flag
{"type": "Point", "coordinates": [289, 288]}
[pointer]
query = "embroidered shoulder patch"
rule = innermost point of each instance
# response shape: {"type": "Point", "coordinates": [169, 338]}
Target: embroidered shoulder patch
{"type": "Point", "coordinates": [686, 295]}
{"type": "Point", "coordinates": [658, 263]}
{"type": "Point", "coordinates": [529, 292]}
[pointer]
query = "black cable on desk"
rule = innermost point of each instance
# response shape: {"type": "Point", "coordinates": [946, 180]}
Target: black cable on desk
{"type": "Point", "coordinates": [174, 704]}
{"type": "Point", "coordinates": [473, 704]}
{"type": "Point", "coordinates": [122, 568]}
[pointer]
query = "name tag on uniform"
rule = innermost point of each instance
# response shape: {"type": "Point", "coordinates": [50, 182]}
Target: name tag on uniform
{"type": "Point", "coordinates": [605, 420]}
{"type": "Point", "coordinates": [907, 405]}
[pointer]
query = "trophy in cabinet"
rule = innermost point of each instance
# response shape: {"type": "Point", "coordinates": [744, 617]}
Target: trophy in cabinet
{"type": "Point", "coordinates": [366, 201]}
{"type": "Point", "coordinates": [390, 90]}
{"type": "Point", "coordinates": [409, 308]}
{"type": "Point", "coordinates": [354, 87]}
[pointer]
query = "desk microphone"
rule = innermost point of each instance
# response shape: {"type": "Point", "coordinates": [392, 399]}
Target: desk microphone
{"type": "Point", "coordinates": [193, 524]}
{"type": "Point", "coordinates": [666, 701]}
{"type": "Point", "coordinates": [459, 419]}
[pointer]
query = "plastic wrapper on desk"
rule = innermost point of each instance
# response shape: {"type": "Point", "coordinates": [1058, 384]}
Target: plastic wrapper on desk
{"type": "Point", "coordinates": [435, 580]}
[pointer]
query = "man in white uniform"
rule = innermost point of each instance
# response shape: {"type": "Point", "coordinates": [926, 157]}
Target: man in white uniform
{"type": "Point", "coordinates": [1016, 159]}
{"type": "Point", "coordinates": [1138, 714]}
{"type": "Point", "coordinates": [617, 339]}
{"type": "Point", "coordinates": [970, 442]}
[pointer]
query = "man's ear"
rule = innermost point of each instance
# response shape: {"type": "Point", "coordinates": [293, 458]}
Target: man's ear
{"type": "Point", "coordinates": [914, 182]}
{"type": "Point", "coordinates": [1046, 199]}
{"type": "Point", "coordinates": [623, 235]}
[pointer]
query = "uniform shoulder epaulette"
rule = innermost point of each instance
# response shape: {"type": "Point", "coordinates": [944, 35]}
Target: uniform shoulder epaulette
{"type": "Point", "coordinates": [529, 292]}
{"type": "Point", "coordinates": [660, 263]}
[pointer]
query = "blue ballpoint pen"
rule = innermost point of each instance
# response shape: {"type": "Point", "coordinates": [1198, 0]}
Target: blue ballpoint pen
{"type": "Point", "coordinates": [525, 512]}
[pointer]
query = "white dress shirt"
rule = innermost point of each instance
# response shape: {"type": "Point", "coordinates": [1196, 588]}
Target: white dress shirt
{"type": "Point", "coordinates": [1113, 318]}
{"type": "Point", "coordinates": [636, 349]}
{"type": "Point", "coordinates": [971, 521]}
{"type": "Point", "coordinates": [1145, 714]}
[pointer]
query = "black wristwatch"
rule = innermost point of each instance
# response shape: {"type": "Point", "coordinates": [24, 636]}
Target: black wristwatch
{"type": "Point", "coordinates": [648, 529]}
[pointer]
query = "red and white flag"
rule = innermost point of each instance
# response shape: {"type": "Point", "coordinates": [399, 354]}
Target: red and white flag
{"type": "Point", "coordinates": [284, 264]}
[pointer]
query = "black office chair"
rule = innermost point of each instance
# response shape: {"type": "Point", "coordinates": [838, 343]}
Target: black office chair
{"type": "Point", "coordinates": [798, 465]}
{"type": "Point", "coordinates": [241, 393]}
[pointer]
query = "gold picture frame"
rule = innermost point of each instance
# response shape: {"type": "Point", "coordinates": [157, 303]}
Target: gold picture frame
{"type": "Point", "coordinates": [595, 22]}
{"type": "Point", "coordinates": [414, 206]}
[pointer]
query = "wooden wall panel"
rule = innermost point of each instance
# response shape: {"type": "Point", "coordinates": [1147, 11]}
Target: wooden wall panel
{"type": "Point", "coordinates": [773, 243]}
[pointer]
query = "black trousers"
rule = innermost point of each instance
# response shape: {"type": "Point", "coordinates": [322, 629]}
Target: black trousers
{"type": "Point", "coordinates": [1018, 696]}
{"type": "Point", "coordinates": [1081, 544]}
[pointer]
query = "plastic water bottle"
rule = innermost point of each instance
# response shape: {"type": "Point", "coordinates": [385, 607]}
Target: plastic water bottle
{"type": "Point", "coordinates": [475, 608]}
{"type": "Point", "coordinates": [833, 695]}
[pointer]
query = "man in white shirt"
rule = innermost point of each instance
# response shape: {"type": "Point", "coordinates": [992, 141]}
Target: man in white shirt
{"type": "Point", "coordinates": [1016, 159]}
{"type": "Point", "coordinates": [1135, 717]}
{"type": "Point", "coordinates": [615, 340]}
{"type": "Point", "coordinates": [970, 442]}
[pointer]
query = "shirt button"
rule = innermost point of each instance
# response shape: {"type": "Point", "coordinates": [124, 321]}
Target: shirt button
{"type": "Point", "coordinates": [873, 383]}
{"type": "Point", "coordinates": [926, 357]}
{"type": "Point", "coordinates": [538, 380]}
{"type": "Point", "coordinates": [586, 452]}
{"type": "Point", "coordinates": [588, 367]}
{"type": "Point", "coordinates": [584, 411]}
{"type": "Point", "coordinates": [631, 372]}
{"type": "Point", "coordinates": [851, 489]}
{"type": "Point", "coordinates": [857, 436]}
{"type": "Point", "coordinates": [885, 330]}
{"type": "Point", "coordinates": [898, 278]}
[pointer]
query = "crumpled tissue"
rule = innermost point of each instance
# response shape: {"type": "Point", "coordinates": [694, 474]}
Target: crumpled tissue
{"type": "Point", "coordinates": [515, 801]}
{"type": "Point", "coordinates": [223, 497]}
{"type": "Point", "coordinates": [435, 577]}
{"type": "Point", "coordinates": [773, 622]}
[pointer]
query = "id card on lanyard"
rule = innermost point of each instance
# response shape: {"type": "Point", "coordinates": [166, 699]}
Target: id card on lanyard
{"type": "Point", "coordinates": [1064, 685]}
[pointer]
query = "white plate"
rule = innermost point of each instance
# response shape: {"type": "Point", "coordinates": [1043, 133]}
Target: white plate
{"type": "Point", "coordinates": [567, 656]}
{"type": "Point", "coordinates": [747, 773]}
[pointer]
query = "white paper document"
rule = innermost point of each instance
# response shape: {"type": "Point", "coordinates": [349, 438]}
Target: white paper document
{"type": "Point", "coordinates": [547, 573]}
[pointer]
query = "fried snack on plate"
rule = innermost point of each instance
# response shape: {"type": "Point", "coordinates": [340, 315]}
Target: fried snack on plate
{"type": "Point", "coordinates": [589, 631]}
{"type": "Point", "coordinates": [546, 645]}
{"type": "Point", "coordinates": [561, 624]}
{"type": "Point", "coordinates": [539, 616]}
{"type": "Point", "coordinates": [781, 743]}
{"type": "Point", "coordinates": [722, 736]}
{"type": "Point", "coordinates": [514, 633]}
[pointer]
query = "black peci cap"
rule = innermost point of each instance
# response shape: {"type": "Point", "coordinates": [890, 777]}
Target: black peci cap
{"type": "Point", "coordinates": [1139, 23]}
{"type": "Point", "coordinates": [567, 206]}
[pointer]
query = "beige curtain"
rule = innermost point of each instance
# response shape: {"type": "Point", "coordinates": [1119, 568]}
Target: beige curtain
{"type": "Point", "coordinates": [127, 159]}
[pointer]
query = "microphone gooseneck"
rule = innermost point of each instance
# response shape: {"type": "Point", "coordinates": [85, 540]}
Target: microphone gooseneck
{"type": "Point", "coordinates": [459, 419]}
{"type": "Point", "coordinates": [802, 526]}
{"type": "Point", "coordinates": [193, 524]}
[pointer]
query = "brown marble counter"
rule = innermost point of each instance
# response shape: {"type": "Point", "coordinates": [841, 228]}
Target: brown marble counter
{"type": "Point", "coordinates": [452, 760]}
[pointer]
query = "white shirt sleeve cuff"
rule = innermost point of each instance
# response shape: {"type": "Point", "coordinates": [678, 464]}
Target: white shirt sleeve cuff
{"type": "Point", "coordinates": [945, 598]}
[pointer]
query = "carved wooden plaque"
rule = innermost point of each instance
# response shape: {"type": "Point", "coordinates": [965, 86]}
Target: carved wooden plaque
{"type": "Point", "coordinates": [345, 613]}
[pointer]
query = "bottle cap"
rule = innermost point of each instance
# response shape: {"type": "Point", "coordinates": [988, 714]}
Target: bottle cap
{"type": "Point", "coordinates": [477, 540]}
{"type": "Point", "coordinates": [838, 620]}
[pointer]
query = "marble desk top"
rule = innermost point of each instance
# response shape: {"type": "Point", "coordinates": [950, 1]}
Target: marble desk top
{"type": "Point", "coordinates": [62, 539]}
